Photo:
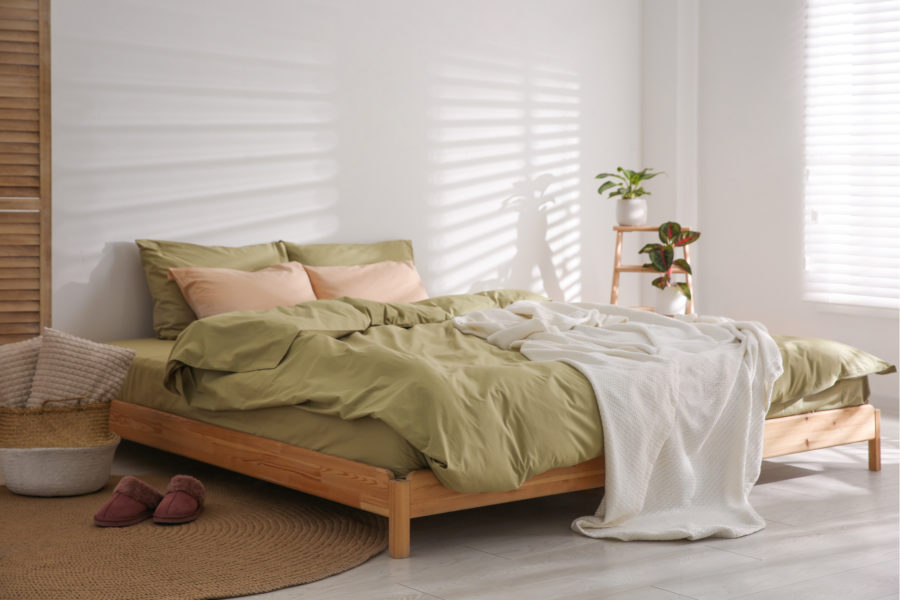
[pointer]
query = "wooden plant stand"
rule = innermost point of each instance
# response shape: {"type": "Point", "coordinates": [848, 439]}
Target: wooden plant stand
{"type": "Point", "coordinates": [618, 267]}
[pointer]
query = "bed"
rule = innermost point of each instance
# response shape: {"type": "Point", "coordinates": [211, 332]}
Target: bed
{"type": "Point", "coordinates": [320, 453]}
{"type": "Point", "coordinates": [365, 464]}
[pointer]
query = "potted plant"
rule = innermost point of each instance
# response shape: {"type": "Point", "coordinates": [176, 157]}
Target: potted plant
{"type": "Point", "coordinates": [631, 207]}
{"type": "Point", "coordinates": [673, 296]}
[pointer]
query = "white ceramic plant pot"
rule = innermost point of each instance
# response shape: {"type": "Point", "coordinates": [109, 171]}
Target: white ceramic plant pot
{"type": "Point", "coordinates": [670, 301]}
{"type": "Point", "coordinates": [631, 212]}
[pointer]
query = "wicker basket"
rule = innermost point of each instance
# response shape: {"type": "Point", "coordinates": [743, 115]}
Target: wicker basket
{"type": "Point", "coordinates": [56, 450]}
{"type": "Point", "coordinates": [58, 471]}
{"type": "Point", "coordinates": [79, 424]}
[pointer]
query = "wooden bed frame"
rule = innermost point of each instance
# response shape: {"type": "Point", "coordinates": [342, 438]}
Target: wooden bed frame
{"type": "Point", "coordinates": [419, 493]}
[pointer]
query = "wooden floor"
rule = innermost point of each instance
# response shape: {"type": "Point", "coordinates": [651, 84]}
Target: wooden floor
{"type": "Point", "coordinates": [832, 533]}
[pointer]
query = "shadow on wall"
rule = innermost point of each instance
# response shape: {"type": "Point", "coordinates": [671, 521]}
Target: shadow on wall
{"type": "Point", "coordinates": [102, 308]}
{"type": "Point", "coordinates": [174, 121]}
{"type": "Point", "coordinates": [531, 201]}
{"type": "Point", "coordinates": [217, 123]}
{"type": "Point", "coordinates": [502, 124]}
{"type": "Point", "coordinates": [199, 133]}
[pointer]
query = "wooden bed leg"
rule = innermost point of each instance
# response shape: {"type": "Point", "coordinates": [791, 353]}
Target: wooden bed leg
{"type": "Point", "coordinates": [398, 518]}
{"type": "Point", "coordinates": [875, 445]}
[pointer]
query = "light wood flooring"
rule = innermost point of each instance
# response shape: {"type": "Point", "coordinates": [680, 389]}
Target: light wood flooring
{"type": "Point", "coordinates": [832, 533]}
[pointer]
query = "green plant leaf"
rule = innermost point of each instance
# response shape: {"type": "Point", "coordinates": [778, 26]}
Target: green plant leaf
{"type": "Point", "coordinates": [684, 265]}
{"type": "Point", "coordinates": [669, 232]}
{"type": "Point", "coordinates": [687, 237]}
{"type": "Point", "coordinates": [661, 257]}
{"type": "Point", "coordinates": [685, 289]}
{"type": "Point", "coordinates": [607, 175]}
{"type": "Point", "coordinates": [647, 248]}
{"type": "Point", "coordinates": [660, 282]}
{"type": "Point", "coordinates": [615, 193]}
{"type": "Point", "coordinates": [606, 186]}
{"type": "Point", "coordinates": [668, 256]}
{"type": "Point", "coordinates": [648, 265]}
{"type": "Point", "coordinates": [657, 259]}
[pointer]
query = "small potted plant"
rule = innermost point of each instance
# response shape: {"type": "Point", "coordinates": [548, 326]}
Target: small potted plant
{"type": "Point", "coordinates": [673, 296]}
{"type": "Point", "coordinates": [631, 207]}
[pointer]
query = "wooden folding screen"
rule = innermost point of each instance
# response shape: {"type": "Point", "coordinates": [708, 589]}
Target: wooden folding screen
{"type": "Point", "coordinates": [24, 168]}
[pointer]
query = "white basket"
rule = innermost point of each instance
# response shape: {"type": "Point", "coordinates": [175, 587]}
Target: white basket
{"type": "Point", "coordinates": [57, 471]}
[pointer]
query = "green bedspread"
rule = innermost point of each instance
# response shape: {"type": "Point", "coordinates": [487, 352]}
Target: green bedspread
{"type": "Point", "coordinates": [486, 419]}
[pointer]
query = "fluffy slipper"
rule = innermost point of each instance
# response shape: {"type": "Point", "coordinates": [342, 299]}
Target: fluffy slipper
{"type": "Point", "coordinates": [132, 501]}
{"type": "Point", "coordinates": [183, 501]}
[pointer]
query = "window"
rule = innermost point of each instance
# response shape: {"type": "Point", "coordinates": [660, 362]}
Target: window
{"type": "Point", "coordinates": [852, 223]}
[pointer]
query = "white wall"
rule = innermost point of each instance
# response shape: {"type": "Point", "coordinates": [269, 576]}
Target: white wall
{"type": "Point", "coordinates": [669, 116]}
{"type": "Point", "coordinates": [751, 179]}
{"type": "Point", "coordinates": [233, 122]}
{"type": "Point", "coordinates": [473, 128]}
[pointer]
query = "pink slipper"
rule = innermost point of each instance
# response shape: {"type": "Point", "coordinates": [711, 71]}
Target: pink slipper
{"type": "Point", "coordinates": [183, 501]}
{"type": "Point", "coordinates": [132, 501]}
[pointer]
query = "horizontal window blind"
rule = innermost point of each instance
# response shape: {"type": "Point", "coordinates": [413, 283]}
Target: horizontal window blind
{"type": "Point", "coordinates": [852, 80]}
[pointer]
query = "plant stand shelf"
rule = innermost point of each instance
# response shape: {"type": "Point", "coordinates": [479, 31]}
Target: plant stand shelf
{"type": "Point", "coordinates": [619, 268]}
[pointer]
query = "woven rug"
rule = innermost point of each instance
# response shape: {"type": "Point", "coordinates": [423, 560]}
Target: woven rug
{"type": "Point", "coordinates": [251, 537]}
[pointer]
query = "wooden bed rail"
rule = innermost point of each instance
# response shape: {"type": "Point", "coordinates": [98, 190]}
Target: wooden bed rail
{"type": "Point", "coordinates": [812, 431]}
{"type": "Point", "coordinates": [345, 481]}
{"type": "Point", "coordinates": [420, 493]}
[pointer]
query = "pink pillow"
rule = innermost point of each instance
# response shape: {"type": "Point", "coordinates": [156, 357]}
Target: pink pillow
{"type": "Point", "coordinates": [211, 291]}
{"type": "Point", "coordinates": [388, 281]}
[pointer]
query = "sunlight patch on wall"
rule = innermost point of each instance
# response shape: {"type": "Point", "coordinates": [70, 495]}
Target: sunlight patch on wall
{"type": "Point", "coordinates": [173, 121]}
{"type": "Point", "coordinates": [176, 129]}
{"type": "Point", "coordinates": [505, 173]}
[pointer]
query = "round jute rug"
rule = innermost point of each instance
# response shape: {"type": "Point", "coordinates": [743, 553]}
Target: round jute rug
{"type": "Point", "coordinates": [251, 537]}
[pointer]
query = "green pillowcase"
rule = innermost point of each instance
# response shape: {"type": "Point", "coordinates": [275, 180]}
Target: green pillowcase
{"type": "Point", "coordinates": [171, 313]}
{"type": "Point", "coordinates": [345, 255]}
{"type": "Point", "coordinates": [812, 365]}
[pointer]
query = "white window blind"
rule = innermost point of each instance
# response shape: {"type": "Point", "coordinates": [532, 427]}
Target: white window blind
{"type": "Point", "coordinates": [852, 227]}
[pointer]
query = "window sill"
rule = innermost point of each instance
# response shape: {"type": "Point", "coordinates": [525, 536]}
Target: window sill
{"type": "Point", "coordinates": [854, 310]}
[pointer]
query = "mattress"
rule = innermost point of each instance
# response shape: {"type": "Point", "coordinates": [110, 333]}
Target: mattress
{"type": "Point", "coordinates": [365, 440]}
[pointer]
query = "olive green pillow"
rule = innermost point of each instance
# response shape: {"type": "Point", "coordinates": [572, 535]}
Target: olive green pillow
{"type": "Point", "coordinates": [171, 313]}
{"type": "Point", "coordinates": [812, 365]}
{"type": "Point", "coordinates": [345, 255]}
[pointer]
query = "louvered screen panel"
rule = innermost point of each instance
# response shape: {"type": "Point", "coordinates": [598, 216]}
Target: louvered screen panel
{"type": "Point", "coordinates": [24, 168]}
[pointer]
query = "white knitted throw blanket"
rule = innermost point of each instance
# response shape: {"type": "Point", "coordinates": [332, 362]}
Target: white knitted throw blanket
{"type": "Point", "coordinates": [682, 402]}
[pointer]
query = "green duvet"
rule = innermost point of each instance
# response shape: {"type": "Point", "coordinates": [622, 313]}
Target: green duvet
{"type": "Point", "coordinates": [486, 419]}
